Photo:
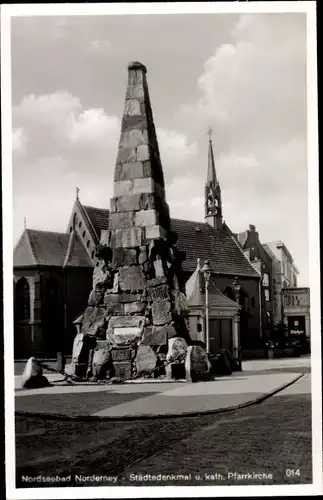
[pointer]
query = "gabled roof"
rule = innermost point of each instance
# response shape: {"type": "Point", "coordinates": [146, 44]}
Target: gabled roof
{"type": "Point", "coordinates": [76, 255]}
{"type": "Point", "coordinates": [99, 218]}
{"type": "Point", "coordinates": [195, 293]}
{"type": "Point", "coordinates": [47, 248]}
{"type": "Point", "coordinates": [200, 240]}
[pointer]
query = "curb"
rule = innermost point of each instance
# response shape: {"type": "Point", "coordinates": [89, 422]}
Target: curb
{"type": "Point", "coordinates": [97, 418]}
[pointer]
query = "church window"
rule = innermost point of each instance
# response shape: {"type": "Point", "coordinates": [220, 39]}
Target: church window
{"type": "Point", "coordinates": [267, 295]}
{"type": "Point", "coordinates": [83, 234]}
{"type": "Point", "coordinates": [80, 224]}
{"type": "Point", "coordinates": [22, 302]}
{"type": "Point", "coordinates": [74, 220]}
{"type": "Point", "coordinates": [88, 243]}
{"type": "Point", "coordinates": [92, 254]}
{"type": "Point", "coordinates": [71, 229]}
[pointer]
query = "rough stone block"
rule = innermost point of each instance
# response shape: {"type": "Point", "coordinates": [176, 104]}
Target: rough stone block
{"type": "Point", "coordinates": [122, 188]}
{"type": "Point", "coordinates": [96, 297]}
{"type": "Point", "coordinates": [132, 279]}
{"type": "Point", "coordinates": [121, 354]}
{"type": "Point", "coordinates": [177, 349]}
{"type": "Point", "coordinates": [126, 322]}
{"type": "Point", "coordinates": [121, 220]}
{"type": "Point", "coordinates": [94, 321]}
{"type": "Point", "coordinates": [180, 303]}
{"type": "Point", "coordinates": [146, 359]}
{"type": "Point", "coordinates": [156, 282]}
{"type": "Point", "coordinates": [145, 218]}
{"type": "Point", "coordinates": [161, 312]}
{"type": "Point", "coordinates": [126, 238]}
{"type": "Point", "coordinates": [196, 364]}
{"type": "Point", "coordinates": [155, 336]}
{"type": "Point", "coordinates": [105, 237]}
{"type": "Point", "coordinates": [122, 369]}
{"type": "Point", "coordinates": [147, 169]}
{"type": "Point", "coordinates": [124, 257]}
{"type": "Point", "coordinates": [154, 232]}
{"type": "Point", "coordinates": [143, 153]}
{"type": "Point", "coordinates": [33, 369]}
{"type": "Point", "coordinates": [133, 138]}
{"type": "Point", "coordinates": [159, 292]}
{"type": "Point", "coordinates": [143, 255]}
{"type": "Point", "coordinates": [136, 121]}
{"type": "Point", "coordinates": [159, 268]}
{"type": "Point", "coordinates": [101, 277]}
{"type": "Point", "coordinates": [115, 308]}
{"type": "Point", "coordinates": [134, 307]}
{"type": "Point", "coordinates": [126, 155]}
{"type": "Point", "coordinates": [129, 297]}
{"type": "Point", "coordinates": [101, 359]}
{"type": "Point", "coordinates": [132, 107]}
{"type": "Point", "coordinates": [135, 91]}
{"type": "Point", "coordinates": [129, 171]}
{"type": "Point", "coordinates": [128, 203]}
{"type": "Point", "coordinates": [144, 185]}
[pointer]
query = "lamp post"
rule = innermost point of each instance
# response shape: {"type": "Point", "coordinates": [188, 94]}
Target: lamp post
{"type": "Point", "coordinates": [236, 334]}
{"type": "Point", "coordinates": [206, 270]}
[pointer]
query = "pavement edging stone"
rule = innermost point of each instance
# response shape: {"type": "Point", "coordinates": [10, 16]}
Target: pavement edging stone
{"type": "Point", "coordinates": [89, 418]}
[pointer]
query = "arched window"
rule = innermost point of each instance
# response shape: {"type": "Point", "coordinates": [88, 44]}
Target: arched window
{"type": "Point", "coordinates": [80, 224]}
{"type": "Point", "coordinates": [92, 254]}
{"type": "Point", "coordinates": [83, 234]}
{"type": "Point", "coordinates": [88, 243]}
{"type": "Point", "coordinates": [22, 300]}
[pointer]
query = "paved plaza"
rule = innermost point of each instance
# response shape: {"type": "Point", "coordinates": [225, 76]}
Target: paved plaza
{"type": "Point", "coordinates": [258, 444]}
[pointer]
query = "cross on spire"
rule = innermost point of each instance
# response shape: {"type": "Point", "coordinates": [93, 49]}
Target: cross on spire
{"type": "Point", "coordinates": [25, 222]}
{"type": "Point", "coordinates": [77, 193]}
{"type": "Point", "coordinates": [210, 132]}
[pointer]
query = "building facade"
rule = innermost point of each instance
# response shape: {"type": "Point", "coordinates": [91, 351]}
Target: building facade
{"type": "Point", "coordinates": [296, 312]}
{"type": "Point", "coordinates": [262, 262]}
{"type": "Point", "coordinates": [284, 275]}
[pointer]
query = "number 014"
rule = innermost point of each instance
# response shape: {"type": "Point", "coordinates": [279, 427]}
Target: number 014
{"type": "Point", "coordinates": [292, 472]}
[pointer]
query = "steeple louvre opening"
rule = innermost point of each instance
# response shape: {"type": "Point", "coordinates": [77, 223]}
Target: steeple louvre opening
{"type": "Point", "coordinates": [213, 202]}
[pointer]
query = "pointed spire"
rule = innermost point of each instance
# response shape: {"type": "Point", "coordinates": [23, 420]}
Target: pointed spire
{"type": "Point", "coordinates": [211, 174]}
{"type": "Point", "coordinates": [213, 203]}
{"type": "Point", "coordinates": [77, 193]}
{"type": "Point", "coordinates": [139, 205]}
{"type": "Point", "coordinates": [25, 222]}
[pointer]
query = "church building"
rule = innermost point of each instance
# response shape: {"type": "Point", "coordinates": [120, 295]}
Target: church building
{"type": "Point", "coordinates": [53, 278]}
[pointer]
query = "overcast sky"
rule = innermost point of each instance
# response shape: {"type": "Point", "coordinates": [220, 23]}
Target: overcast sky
{"type": "Point", "coordinates": [245, 75]}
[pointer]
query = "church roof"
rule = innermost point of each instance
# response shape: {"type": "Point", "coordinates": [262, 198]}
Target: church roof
{"type": "Point", "coordinates": [47, 248]}
{"type": "Point", "coordinates": [99, 218]}
{"type": "Point", "coordinates": [200, 240]}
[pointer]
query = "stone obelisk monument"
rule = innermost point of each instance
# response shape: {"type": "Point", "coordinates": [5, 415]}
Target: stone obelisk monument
{"type": "Point", "coordinates": [138, 297]}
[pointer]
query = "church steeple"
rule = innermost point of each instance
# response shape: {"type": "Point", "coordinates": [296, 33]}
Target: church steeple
{"type": "Point", "coordinates": [213, 202]}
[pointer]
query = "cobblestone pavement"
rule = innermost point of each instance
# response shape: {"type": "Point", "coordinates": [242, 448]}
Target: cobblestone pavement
{"type": "Point", "coordinates": [272, 438]}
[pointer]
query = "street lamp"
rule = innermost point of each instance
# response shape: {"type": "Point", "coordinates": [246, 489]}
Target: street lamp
{"type": "Point", "coordinates": [236, 340]}
{"type": "Point", "coordinates": [206, 270]}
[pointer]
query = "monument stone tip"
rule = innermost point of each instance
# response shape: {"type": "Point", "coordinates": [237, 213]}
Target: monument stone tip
{"type": "Point", "coordinates": [137, 65]}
